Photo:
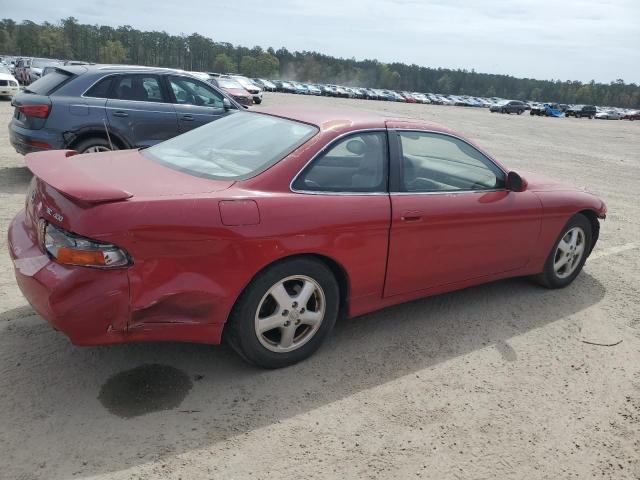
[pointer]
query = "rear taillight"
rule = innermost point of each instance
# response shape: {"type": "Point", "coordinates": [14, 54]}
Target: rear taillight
{"type": "Point", "coordinates": [70, 249]}
{"type": "Point", "coordinates": [37, 111]}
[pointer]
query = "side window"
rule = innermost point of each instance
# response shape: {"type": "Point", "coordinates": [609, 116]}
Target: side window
{"type": "Point", "coordinates": [100, 89]}
{"type": "Point", "coordinates": [142, 88]}
{"type": "Point", "coordinates": [433, 162]}
{"type": "Point", "coordinates": [191, 92]}
{"type": "Point", "coordinates": [357, 163]}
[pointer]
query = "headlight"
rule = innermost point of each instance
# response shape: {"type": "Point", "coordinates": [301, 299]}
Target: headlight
{"type": "Point", "coordinates": [69, 249]}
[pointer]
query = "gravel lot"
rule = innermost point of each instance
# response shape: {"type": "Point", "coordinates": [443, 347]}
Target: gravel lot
{"type": "Point", "coordinates": [490, 382]}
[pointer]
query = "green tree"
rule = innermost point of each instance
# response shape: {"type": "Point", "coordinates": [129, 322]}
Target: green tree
{"type": "Point", "coordinates": [112, 52]}
{"type": "Point", "coordinates": [445, 84]}
{"type": "Point", "coordinates": [223, 63]}
{"type": "Point", "coordinates": [247, 65]}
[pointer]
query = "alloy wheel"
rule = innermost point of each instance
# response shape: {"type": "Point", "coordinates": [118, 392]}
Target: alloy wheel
{"type": "Point", "coordinates": [290, 313]}
{"type": "Point", "coordinates": [96, 149]}
{"type": "Point", "coordinates": [569, 252]}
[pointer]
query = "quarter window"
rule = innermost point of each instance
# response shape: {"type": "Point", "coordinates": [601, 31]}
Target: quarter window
{"type": "Point", "coordinates": [355, 164]}
{"type": "Point", "coordinates": [100, 89]}
{"type": "Point", "coordinates": [142, 88]}
{"type": "Point", "coordinates": [434, 162]}
{"type": "Point", "coordinates": [191, 92]}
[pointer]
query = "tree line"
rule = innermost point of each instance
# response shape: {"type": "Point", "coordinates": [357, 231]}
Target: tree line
{"type": "Point", "coordinates": [69, 39]}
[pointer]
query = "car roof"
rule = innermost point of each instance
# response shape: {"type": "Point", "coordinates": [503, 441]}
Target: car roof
{"type": "Point", "coordinates": [345, 119]}
{"type": "Point", "coordinates": [96, 68]}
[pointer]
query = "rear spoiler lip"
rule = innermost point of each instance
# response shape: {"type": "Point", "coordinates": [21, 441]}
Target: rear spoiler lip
{"type": "Point", "coordinates": [57, 169]}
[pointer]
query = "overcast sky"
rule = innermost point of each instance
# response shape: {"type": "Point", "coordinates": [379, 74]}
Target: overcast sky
{"type": "Point", "coordinates": [545, 39]}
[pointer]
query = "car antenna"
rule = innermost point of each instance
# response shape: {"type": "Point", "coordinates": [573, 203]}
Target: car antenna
{"type": "Point", "coordinates": [104, 122]}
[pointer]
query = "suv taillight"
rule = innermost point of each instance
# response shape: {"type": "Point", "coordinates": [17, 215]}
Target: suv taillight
{"type": "Point", "coordinates": [37, 111]}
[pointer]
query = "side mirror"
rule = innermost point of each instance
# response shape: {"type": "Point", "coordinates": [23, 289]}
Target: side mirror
{"type": "Point", "coordinates": [226, 104]}
{"type": "Point", "coordinates": [515, 182]}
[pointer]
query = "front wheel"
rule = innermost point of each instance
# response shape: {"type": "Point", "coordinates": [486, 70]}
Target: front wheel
{"type": "Point", "coordinates": [568, 254]}
{"type": "Point", "coordinates": [285, 313]}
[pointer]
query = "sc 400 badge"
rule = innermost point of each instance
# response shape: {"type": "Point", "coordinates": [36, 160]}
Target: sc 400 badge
{"type": "Point", "coordinates": [55, 215]}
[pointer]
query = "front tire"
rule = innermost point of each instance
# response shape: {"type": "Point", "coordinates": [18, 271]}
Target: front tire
{"type": "Point", "coordinates": [568, 255]}
{"type": "Point", "coordinates": [284, 314]}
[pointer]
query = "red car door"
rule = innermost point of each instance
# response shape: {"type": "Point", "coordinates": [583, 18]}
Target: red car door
{"type": "Point", "coordinates": [452, 217]}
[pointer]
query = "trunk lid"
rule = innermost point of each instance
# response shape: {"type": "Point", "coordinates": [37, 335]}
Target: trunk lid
{"type": "Point", "coordinates": [114, 176]}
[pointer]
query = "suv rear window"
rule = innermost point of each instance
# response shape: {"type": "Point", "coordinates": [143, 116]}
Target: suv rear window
{"type": "Point", "coordinates": [48, 83]}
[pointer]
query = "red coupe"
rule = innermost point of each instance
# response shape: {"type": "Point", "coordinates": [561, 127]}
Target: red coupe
{"type": "Point", "coordinates": [261, 228]}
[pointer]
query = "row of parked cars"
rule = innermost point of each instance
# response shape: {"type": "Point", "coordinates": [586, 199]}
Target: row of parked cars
{"type": "Point", "coordinates": [92, 108]}
{"type": "Point", "coordinates": [495, 104]}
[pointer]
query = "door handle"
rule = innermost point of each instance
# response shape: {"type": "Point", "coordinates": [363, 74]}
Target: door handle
{"type": "Point", "coordinates": [411, 216]}
{"type": "Point", "coordinates": [120, 114]}
{"type": "Point", "coordinates": [187, 118]}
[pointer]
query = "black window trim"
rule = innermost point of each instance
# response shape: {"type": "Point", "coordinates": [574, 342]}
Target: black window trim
{"type": "Point", "coordinates": [330, 145]}
{"type": "Point", "coordinates": [395, 175]}
{"type": "Point", "coordinates": [159, 76]}
{"type": "Point", "coordinates": [172, 96]}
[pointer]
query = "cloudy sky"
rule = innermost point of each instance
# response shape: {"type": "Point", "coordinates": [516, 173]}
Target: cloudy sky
{"type": "Point", "coordinates": [546, 39]}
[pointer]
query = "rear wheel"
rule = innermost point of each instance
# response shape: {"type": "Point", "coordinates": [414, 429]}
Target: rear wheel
{"type": "Point", "coordinates": [257, 101]}
{"type": "Point", "coordinates": [94, 145]}
{"type": "Point", "coordinates": [284, 314]}
{"type": "Point", "coordinates": [568, 254]}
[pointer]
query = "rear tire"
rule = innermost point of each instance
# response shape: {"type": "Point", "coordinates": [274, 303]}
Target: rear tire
{"type": "Point", "coordinates": [568, 255]}
{"type": "Point", "coordinates": [274, 323]}
{"type": "Point", "coordinates": [258, 101]}
{"type": "Point", "coordinates": [94, 145]}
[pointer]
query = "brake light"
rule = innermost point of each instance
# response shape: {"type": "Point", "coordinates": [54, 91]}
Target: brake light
{"type": "Point", "coordinates": [37, 111]}
{"type": "Point", "coordinates": [70, 249]}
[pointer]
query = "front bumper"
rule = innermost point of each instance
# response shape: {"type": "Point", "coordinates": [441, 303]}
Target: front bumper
{"type": "Point", "coordinates": [8, 91]}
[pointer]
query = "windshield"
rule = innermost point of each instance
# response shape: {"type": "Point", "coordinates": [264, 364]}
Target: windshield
{"type": "Point", "coordinates": [236, 147]}
{"type": "Point", "coordinates": [228, 83]}
{"type": "Point", "coordinates": [4, 69]}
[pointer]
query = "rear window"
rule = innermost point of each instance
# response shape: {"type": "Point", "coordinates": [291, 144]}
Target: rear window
{"type": "Point", "coordinates": [48, 83]}
{"type": "Point", "coordinates": [235, 147]}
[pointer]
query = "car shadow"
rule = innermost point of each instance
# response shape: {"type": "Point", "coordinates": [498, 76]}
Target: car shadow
{"type": "Point", "coordinates": [78, 401]}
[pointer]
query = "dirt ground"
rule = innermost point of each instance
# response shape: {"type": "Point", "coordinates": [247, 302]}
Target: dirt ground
{"type": "Point", "coordinates": [490, 382]}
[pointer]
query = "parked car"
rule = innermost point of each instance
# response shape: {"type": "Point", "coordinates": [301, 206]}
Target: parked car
{"type": "Point", "coordinates": [266, 85]}
{"type": "Point", "coordinates": [580, 111]}
{"type": "Point", "coordinates": [508, 106]}
{"type": "Point", "coordinates": [313, 89]}
{"type": "Point", "coordinates": [8, 83]}
{"type": "Point", "coordinates": [97, 108]}
{"type": "Point", "coordinates": [546, 110]}
{"type": "Point", "coordinates": [29, 70]}
{"type": "Point", "coordinates": [160, 244]}
{"type": "Point", "coordinates": [632, 115]}
{"type": "Point", "coordinates": [608, 115]}
{"type": "Point", "coordinates": [283, 86]}
{"type": "Point", "coordinates": [233, 88]}
{"type": "Point", "coordinates": [250, 87]}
